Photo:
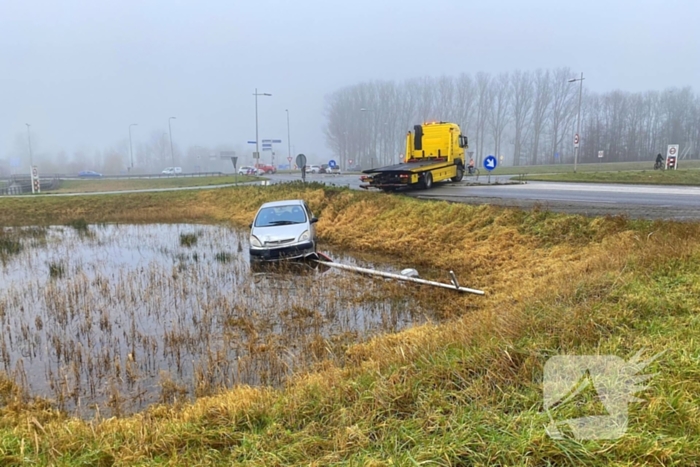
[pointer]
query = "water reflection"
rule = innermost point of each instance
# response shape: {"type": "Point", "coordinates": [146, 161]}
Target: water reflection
{"type": "Point", "coordinates": [121, 316]}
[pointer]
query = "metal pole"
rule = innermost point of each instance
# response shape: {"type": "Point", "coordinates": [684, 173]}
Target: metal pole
{"type": "Point", "coordinates": [172, 156]}
{"type": "Point", "coordinates": [453, 286]}
{"type": "Point", "coordinates": [289, 138]}
{"type": "Point", "coordinates": [578, 122]}
{"type": "Point", "coordinates": [257, 140]}
{"type": "Point", "coordinates": [29, 139]}
{"type": "Point", "coordinates": [131, 148]}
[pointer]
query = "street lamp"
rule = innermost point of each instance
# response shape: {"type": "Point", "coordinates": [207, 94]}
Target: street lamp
{"type": "Point", "coordinates": [257, 141]}
{"type": "Point", "coordinates": [131, 148]}
{"type": "Point", "coordinates": [578, 120]}
{"type": "Point", "coordinates": [289, 140]}
{"type": "Point", "coordinates": [172, 156]}
{"type": "Point", "coordinates": [29, 139]}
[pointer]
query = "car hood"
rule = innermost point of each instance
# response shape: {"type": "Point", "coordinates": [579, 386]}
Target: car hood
{"type": "Point", "coordinates": [279, 233]}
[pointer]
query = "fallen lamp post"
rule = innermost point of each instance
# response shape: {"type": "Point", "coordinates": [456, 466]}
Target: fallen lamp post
{"type": "Point", "coordinates": [454, 286]}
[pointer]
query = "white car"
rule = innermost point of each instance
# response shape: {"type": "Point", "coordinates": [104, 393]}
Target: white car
{"type": "Point", "coordinates": [172, 170]}
{"type": "Point", "coordinates": [248, 170]}
{"type": "Point", "coordinates": [283, 230]}
{"type": "Point", "coordinates": [313, 169]}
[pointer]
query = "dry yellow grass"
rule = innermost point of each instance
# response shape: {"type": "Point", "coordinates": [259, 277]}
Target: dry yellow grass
{"type": "Point", "coordinates": [465, 389]}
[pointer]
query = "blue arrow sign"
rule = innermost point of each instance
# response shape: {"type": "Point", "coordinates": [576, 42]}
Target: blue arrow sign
{"type": "Point", "coordinates": [490, 163]}
{"type": "Point", "coordinates": [332, 164]}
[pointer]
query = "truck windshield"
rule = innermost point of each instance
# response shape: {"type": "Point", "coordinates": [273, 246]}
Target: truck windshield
{"type": "Point", "coordinates": [280, 215]}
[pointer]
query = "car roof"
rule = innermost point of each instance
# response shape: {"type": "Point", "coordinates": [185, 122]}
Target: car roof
{"type": "Point", "coordinates": [288, 202]}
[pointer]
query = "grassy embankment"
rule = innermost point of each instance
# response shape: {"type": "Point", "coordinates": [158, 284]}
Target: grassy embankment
{"type": "Point", "coordinates": [88, 186]}
{"type": "Point", "coordinates": [596, 167]}
{"type": "Point", "coordinates": [648, 177]}
{"type": "Point", "coordinates": [467, 392]}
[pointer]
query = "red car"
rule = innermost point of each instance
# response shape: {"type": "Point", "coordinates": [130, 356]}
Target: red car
{"type": "Point", "coordinates": [266, 169]}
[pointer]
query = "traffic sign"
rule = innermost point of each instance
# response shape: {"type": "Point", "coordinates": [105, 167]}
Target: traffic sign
{"type": "Point", "coordinates": [252, 142]}
{"type": "Point", "coordinates": [301, 160]}
{"type": "Point", "coordinates": [276, 141]}
{"type": "Point", "coordinates": [600, 154]}
{"type": "Point", "coordinates": [289, 159]}
{"type": "Point", "coordinates": [256, 155]}
{"type": "Point", "coordinates": [332, 164]}
{"type": "Point", "coordinates": [350, 162]}
{"type": "Point", "coordinates": [490, 163]}
{"type": "Point", "coordinates": [267, 141]}
{"type": "Point", "coordinates": [672, 150]}
{"type": "Point", "coordinates": [576, 140]}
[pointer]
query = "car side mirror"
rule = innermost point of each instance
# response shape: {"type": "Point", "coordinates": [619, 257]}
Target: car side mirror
{"type": "Point", "coordinates": [313, 220]}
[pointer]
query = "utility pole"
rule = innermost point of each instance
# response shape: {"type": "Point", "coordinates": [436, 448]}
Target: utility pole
{"type": "Point", "coordinates": [131, 147]}
{"type": "Point", "coordinates": [257, 139]}
{"type": "Point", "coordinates": [578, 120]}
{"type": "Point", "coordinates": [29, 139]}
{"type": "Point", "coordinates": [172, 156]}
{"type": "Point", "coordinates": [289, 138]}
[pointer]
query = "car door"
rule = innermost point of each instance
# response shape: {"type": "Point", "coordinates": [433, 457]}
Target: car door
{"type": "Point", "coordinates": [312, 227]}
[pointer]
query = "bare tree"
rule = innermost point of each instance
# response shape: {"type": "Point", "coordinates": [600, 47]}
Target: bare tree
{"type": "Point", "coordinates": [523, 91]}
{"type": "Point", "coordinates": [500, 97]}
{"type": "Point", "coordinates": [483, 111]}
{"type": "Point", "coordinates": [563, 94]}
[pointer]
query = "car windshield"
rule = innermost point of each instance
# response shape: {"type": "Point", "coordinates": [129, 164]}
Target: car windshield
{"type": "Point", "coordinates": [280, 215]}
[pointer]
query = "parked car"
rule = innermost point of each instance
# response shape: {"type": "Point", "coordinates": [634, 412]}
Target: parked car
{"type": "Point", "coordinates": [283, 230]}
{"type": "Point", "coordinates": [325, 168]}
{"type": "Point", "coordinates": [266, 169]}
{"type": "Point", "coordinates": [313, 169]}
{"type": "Point", "coordinates": [89, 174]}
{"type": "Point", "coordinates": [172, 170]}
{"type": "Point", "coordinates": [248, 170]}
{"type": "Point", "coordinates": [334, 170]}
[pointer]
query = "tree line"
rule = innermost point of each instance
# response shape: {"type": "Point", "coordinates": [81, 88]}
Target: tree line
{"type": "Point", "coordinates": [528, 117]}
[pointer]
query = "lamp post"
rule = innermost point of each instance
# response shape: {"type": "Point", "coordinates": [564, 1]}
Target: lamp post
{"type": "Point", "coordinates": [131, 148]}
{"type": "Point", "coordinates": [170, 132]}
{"type": "Point", "coordinates": [257, 140]}
{"type": "Point", "coordinates": [578, 120]}
{"type": "Point", "coordinates": [289, 139]}
{"type": "Point", "coordinates": [172, 156]}
{"type": "Point", "coordinates": [29, 140]}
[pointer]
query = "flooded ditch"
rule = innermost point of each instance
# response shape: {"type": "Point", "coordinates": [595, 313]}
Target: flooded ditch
{"type": "Point", "coordinates": [110, 319]}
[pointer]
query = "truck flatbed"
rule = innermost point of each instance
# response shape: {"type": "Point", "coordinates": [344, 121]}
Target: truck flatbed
{"type": "Point", "coordinates": [411, 166]}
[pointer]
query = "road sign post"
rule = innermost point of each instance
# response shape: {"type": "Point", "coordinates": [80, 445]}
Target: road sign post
{"type": "Point", "coordinates": [672, 156]}
{"type": "Point", "coordinates": [490, 163]}
{"type": "Point", "coordinates": [36, 185]}
{"type": "Point", "coordinates": [301, 162]}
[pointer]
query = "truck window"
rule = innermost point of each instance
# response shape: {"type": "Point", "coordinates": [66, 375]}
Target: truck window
{"type": "Point", "coordinates": [418, 140]}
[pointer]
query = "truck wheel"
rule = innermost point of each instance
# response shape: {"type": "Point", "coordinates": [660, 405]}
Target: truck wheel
{"type": "Point", "coordinates": [427, 180]}
{"type": "Point", "coordinates": [459, 176]}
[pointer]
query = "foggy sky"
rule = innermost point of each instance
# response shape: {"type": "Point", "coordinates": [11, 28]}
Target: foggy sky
{"type": "Point", "coordinates": [81, 71]}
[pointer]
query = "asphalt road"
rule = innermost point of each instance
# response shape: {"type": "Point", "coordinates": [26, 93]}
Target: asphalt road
{"type": "Point", "coordinates": [635, 201]}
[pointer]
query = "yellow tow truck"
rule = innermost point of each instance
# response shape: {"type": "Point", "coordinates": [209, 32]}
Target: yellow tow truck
{"type": "Point", "coordinates": [434, 153]}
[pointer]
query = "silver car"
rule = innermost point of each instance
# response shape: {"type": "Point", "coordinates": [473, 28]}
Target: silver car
{"type": "Point", "coordinates": [283, 230]}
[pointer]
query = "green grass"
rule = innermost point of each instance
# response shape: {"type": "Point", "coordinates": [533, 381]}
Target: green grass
{"type": "Point", "coordinates": [647, 177]}
{"type": "Point", "coordinates": [87, 186]}
{"type": "Point", "coordinates": [595, 167]}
